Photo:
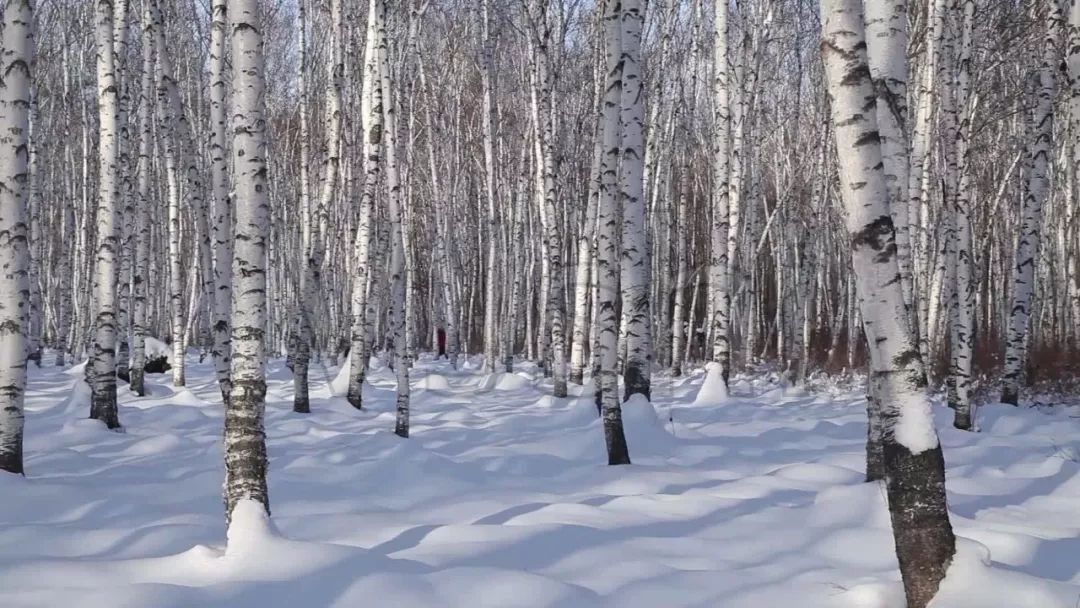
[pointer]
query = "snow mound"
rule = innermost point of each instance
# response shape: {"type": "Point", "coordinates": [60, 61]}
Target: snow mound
{"type": "Point", "coordinates": [79, 369]}
{"type": "Point", "coordinates": [644, 428]}
{"type": "Point", "coordinates": [502, 381]}
{"type": "Point", "coordinates": [78, 400]}
{"type": "Point", "coordinates": [433, 382]}
{"type": "Point", "coordinates": [972, 582]}
{"type": "Point", "coordinates": [713, 390]}
{"type": "Point", "coordinates": [250, 530]}
{"type": "Point", "coordinates": [339, 385]}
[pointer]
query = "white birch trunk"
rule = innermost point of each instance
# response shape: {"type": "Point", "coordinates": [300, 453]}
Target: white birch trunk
{"type": "Point", "coordinates": [720, 242]}
{"type": "Point", "coordinates": [141, 267]}
{"type": "Point", "coordinates": [371, 109]}
{"type": "Point", "coordinates": [635, 247]}
{"type": "Point", "coordinates": [607, 244]}
{"type": "Point", "coordinates": [222, 207]}
{"type": "Point", "coordinates": [915, 468]}
{"type": "Point", "coordinates": [101, 369]}
{"type": "Point", "coordinates": [17, 57]}
{"type": "Point", "coordinates": [245, 436]}
{"type": "Point", "coordinates": [1027, 252]}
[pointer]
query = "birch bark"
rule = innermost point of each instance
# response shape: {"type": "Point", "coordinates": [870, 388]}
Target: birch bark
{"type": "Point", "coordinates": [245, 436]}
{"type": "Point", "coordinates": [16, 61]}
{"type": "Point", "coordinates": [1027, 251]}
{"type": "Point", "coordinates": [915, 468]}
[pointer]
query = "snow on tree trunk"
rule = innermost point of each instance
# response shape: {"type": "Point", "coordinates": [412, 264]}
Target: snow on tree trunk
{"type": "Point", "coordinates": [245, 436]}
{"type": "Point", "coordinates": [915, 469]}
{"type": "Point", "coordinates": [635, 247]}
{"type": "Point", "coordinates": [17, 57]}
{"type": "Point", "coordinates": [1027, 251]}
{"type": "Point", "coordinates": [101, 369]}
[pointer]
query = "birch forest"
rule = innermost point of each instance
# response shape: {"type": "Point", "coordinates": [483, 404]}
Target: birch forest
{"type": "Point", "coordinates": [410, 274]}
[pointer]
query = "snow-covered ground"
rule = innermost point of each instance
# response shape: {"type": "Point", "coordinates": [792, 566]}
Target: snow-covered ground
{"type": "Point", "coordinates": [502, 498]}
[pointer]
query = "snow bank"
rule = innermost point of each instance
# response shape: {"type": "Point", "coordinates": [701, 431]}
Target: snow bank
{"type": "Point", "coordinates": [433, 382]}
{"type": "Point", "coordinates": [502, 381]}
{"type": "Point", "coordinates": [644, 428]}
{"type": "Point", "coordinates": [713, 390]}
{"type": "Point", "coordinates": [250, 529]}
{"type": "Point", "coordinates": [339, 385]}
{"type": "Point", "coordinates": [78, 399]}
{"type": "Point", "coordinates": [972, 582]}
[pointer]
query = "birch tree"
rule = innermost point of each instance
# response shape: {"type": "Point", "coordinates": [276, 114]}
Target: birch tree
{"type": "Point", "coordinates": [371, 108]}
{"type": "Point", "coordinates": [101, 369]}
{"type": "Point", "coordinates": [915, 468]}
{"type": "Point", "coordinates": [245, 437]}
{"type": "Point", "coordinates": [17, 57]}
{"type": "Point", "coordinates": [607, 241]}
{"type": "Point", "coordinates": [635, 252]}
{"type": "Point", "coordinates": [1027, 251]}
{"type": "Point", "coordinates": [222, 202]}
{"type": "Point", "coordinates": [719, 260]}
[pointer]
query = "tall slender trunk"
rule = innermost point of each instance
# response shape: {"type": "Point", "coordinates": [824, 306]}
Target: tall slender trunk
{"type": "Point", "coordinates": [141, 267]}
{"type": "Point", "coordinates": [124, 200]}
{"type": "Point", "coordinates": [1027, 252]}
{"type": "Point", "coordinates": [371, 101]}
{"type": "Point", "coordinates": [607, 244]}
{"type": "Point", "coordinates": [720, 237]}
{"type": "Point", "coordinates": [222, 210]}
{"type": "Point", "coordinates": [18, 56]}
{"type": "Point", "coordinates": [963, 331]}
{"type": "Point", "coordinates": [309, 283]}
{"type": "Point", "coordinates": [635, 247]}
{"type": "Point", "coordinates": [245, 436]}
{"type": "Point", "coordinates": [394, 209]}
{"type": "Point", "coordinates": [487, 80]}
{"type": "Point", "coordinates": [101, 369]}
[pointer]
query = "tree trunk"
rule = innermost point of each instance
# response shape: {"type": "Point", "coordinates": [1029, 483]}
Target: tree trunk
{"type": "Point", "coordinates": [245, 437]}
{"type": "Point", "coordinates": [915, 469]}
{"type": "Point", "coordinates": [18, 44]}
{"type": "Point", "coordinates": [101, 369]}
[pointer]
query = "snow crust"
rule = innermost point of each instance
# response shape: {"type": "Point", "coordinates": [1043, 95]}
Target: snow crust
{"type": "Point", "coordinates": [502, 498]}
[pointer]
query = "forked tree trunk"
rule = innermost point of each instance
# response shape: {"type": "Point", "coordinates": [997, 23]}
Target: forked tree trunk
{"type": "Point", "coordinates": [914, 466]}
